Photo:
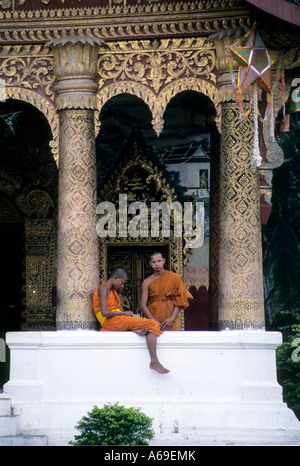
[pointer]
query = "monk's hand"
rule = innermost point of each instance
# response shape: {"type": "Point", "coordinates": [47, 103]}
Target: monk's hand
{"type": "Point", "coordinates": [127, 313]}
{"type": "Point", "coordinates": [167, 324]}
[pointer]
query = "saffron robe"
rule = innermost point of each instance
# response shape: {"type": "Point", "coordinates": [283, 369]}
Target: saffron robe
{"type": "Point", "coordinates": [164, 293]}
{"type": "Point", "coordinates": [121, 322]}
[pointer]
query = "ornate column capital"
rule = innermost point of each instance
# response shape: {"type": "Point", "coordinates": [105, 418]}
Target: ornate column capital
{"type": "Point", "coordinates": [75, 65]}
{"type": "Point", "coordinates": [227, 91]}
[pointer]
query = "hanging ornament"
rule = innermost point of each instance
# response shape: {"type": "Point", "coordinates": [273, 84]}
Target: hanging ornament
{"type": "Point", "coordinates": [255, 62]}
{"type": "Point", "coordinates": [256, 157]}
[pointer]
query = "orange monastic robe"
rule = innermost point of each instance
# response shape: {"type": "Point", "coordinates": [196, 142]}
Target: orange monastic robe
{"type": "Point", "coordinates": [121, 323]}
{"type": "Point", "coordinates": [164, 293]}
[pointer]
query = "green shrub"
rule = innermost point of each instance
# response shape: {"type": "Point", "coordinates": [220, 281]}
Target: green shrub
{"type": "Point", "coordinates": [114, 425]}
{"type": "Point", "coordinates": [288, 365]}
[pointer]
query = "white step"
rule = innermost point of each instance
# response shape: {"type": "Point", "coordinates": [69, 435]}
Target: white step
{"type": "Point", "coordinates": [24, 441]}
{"type": "Point", "coordinates": [5, 406]}
{"type": "Point", "coordinates": [8, 425]}
{"type": "Point", "coordinates": [9, 432]}
{"type": "Point", "coordinates": [8, 422]}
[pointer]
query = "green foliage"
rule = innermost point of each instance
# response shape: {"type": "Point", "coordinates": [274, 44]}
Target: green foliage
{"type": "Point", "coordinates": [288, 362]}
{"type": "Point", "coordinates": [281, 245]}
{"type": "Point", "coordinates": [114, 425]}
{"type": "Point", "coordinates": [281, 238]}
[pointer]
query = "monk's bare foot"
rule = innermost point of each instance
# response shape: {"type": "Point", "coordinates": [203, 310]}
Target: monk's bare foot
{"type": "Point", "coordinates": [141, 331]}
{"type": "Point", "coordinates": [158, 368]}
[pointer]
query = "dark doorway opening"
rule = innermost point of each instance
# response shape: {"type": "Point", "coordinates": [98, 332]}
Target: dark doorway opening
{"type": "Point", "coordinates": [12, 285]}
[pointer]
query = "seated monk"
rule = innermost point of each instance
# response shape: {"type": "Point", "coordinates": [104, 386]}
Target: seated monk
{"type": "Point", "coordinates": [106, 304]}
{"type": "Point", "coordinates": [166, 293]}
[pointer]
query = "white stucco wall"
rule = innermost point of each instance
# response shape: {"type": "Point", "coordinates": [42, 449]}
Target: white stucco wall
{"type": "Point", "coordinates": [221, 386]}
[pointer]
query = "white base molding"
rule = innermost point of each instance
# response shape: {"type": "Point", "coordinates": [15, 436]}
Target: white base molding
{"type": "Point", "coordinates": [221, 389]}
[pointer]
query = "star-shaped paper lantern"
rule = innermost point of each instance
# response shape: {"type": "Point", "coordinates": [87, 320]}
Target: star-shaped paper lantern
{"type": "Point", "coordinates": [255, 62]}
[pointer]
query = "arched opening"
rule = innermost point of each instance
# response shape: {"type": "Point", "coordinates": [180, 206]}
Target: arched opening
{"type": "Point", "coordinates": [28, 194]}
{"type": "Point", "coordinates": [28, 199]}
{"type": "Point", "coordinates": [183, 154]}
{"type": "Point", "coordinates": [118, 116]}
{"type": "Point", "coordinates": [191, 154]}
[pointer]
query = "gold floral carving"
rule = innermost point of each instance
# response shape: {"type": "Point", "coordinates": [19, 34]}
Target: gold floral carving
{"type": "Point", "coordinates": [156, 63]}
{"type": "Point", "coordinates": [153, 71]}
{"type": "Point", "coordinates": [240, 259]}
{"type": "Point", "coordinates": [18, 63]}
{"type": "Point", "coordinates": [156, 72]}
{"type": "Point", "coordinates": [27, 71]}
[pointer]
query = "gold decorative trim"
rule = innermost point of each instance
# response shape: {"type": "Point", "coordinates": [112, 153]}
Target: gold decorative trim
{"type": "Point", "coordinates": [190, 84]}
{"type": "Point", "coordinates": [122, 21]}
{"type": "Point", "coordinates": [158, 103]}
{"type": "Point", "coordinates": [157, 71]}
{"type": "Point", "coordinates": [140, 68]}
{"type": "Point", "coordinates": [157, 62]}
{"type": "Point", "coordinates": [20, 62]}
{"type": "Point", "coordinates": [27, 71]}
{"type": "Point", "coordinates": [244, 314]}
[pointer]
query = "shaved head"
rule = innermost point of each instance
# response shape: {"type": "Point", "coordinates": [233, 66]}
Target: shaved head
{"type": "Point", "coordinates": [155, 254]}
{"type": "Point", "coordinates": [119, 273]}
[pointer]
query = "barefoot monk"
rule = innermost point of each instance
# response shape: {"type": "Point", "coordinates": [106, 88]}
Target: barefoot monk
{"type": "Point", "coordinates": [163, 294]}
{"type": "Point", "coordinates": [106, 304]}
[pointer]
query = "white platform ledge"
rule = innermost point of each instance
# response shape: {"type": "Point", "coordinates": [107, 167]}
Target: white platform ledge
{"type": "Point", "coordinates": [221, 387]}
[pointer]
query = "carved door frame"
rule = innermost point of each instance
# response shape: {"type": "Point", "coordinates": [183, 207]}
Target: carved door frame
{"type": "Point", "coordinates": [174, 262]}
{"type": "Point", "coordinates": [159, 189]}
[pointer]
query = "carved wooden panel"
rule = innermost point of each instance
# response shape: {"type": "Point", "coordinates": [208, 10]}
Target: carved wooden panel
{"type": "Point", "coordinates": [135, 260]}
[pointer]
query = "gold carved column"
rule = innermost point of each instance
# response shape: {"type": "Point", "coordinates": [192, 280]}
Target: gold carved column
{"type": "Point", "coordinates": [75, 61]}
{"type": "Point", "coordinates": [241, 293]}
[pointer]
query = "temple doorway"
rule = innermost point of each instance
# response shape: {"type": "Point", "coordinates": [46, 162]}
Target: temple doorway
{"type": "Point", "coordinates": [176, 166]}
{"type": "Point", "coordinates": [12, 306]}
{"type": "Point", "coordinates": [135, 260]}
{"type": "Point", "coordinates": [12, 254]}
{"type": "Point", "coordinates": [28, 199]}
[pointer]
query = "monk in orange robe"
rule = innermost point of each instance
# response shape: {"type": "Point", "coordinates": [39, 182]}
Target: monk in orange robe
{"type": "Point", "coordinates": [106, 305]}
{"type": "Point", "coordinates": [166, 293]}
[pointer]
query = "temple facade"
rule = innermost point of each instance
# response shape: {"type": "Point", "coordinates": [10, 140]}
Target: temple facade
{"type": "Point", "coordinates": [97, 100]}
{"type": "Point", "coordinates": [128, 127]}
